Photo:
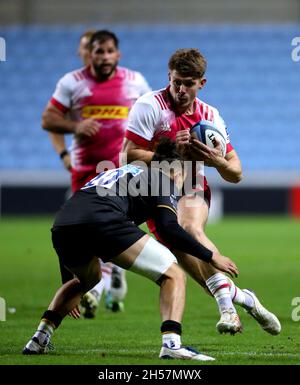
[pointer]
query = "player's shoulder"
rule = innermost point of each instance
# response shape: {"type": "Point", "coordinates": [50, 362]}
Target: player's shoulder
{"type": "Point", "coordinates": [73, 77]}
{"type": "Point", "coordinates": [129, 74]}
{"type": "Point", "coordinates": [207, 111]}
{"type": "Point", "coordinates": [154, 98]}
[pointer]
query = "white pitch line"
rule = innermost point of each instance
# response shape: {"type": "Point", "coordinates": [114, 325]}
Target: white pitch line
{"type": "Point", "coordinates": [114, 351]}
{"type": "Point", "coordinates": [259, 354]}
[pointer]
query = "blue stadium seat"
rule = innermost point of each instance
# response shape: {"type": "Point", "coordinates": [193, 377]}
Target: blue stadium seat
{"type": "Point", "coordinates": [251, 80]}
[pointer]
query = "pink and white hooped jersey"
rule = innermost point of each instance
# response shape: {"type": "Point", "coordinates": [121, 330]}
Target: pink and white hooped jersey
{"type": "Point", "coordinates": [108, 102]}
{"type": "Point", "coordinates": [152, 116]}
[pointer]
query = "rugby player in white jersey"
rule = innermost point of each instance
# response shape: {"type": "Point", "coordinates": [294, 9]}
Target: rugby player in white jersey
{"type": "Point", "coordinates": [172, 112]}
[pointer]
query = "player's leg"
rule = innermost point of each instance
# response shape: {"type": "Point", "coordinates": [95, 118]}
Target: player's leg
{"type": "Point", "coordinates": [91, 300]}
{"type": "Point", "coordinates": [201, 271]}
{"type": "Point", "coordinates": [113, 284]}
{"type": "Point", "coordinates": [192, 216]}
{"type": "Point", "coordinates": [117, 288]}
{"type": "Point", "coordinates": [249, 301]}
{"type": "Point", "coordinates": [145, 257]}
{"type": "Point", "coordinates": [149, 258]}
{"type": "Point", "coordinates": [65, 300]}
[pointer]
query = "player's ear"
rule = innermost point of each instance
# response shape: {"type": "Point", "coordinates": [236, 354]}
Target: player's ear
{"type": "Point", "coordinates": [119, 55]}
{"type": "Point", "coordinates": [202, 83]}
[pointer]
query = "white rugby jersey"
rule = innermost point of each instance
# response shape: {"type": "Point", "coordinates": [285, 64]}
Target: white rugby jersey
{"type": "Point", "coordinates": [152, 116]}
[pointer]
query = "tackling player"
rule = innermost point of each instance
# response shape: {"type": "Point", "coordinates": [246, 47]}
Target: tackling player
{"type": "Point", "coordinates": [102, 219]}
{"type": "Point", "coordinates": [93, 103]}
{"type": "Point", "coordinates": [171, 112]}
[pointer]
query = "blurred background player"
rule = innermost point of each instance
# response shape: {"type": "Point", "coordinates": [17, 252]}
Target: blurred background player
{"type": "Point", "coordinates": [172, 112]}
{"type": "Point", "coordinates": [93, 104]}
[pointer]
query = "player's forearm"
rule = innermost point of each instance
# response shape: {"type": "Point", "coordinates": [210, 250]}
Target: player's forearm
{"type": "Point", "coordinates": [58, 142]}
{"type": "Point", "coordinates": [230, 170]}
{"type": "Point", "coordinates": [58, 124]}
{"type": "Point", "coordinates": [170, 231]}
{"type": "Point", "coordinates": [138, 154]}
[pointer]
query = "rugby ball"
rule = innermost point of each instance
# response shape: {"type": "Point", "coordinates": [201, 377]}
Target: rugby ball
{"type": "Point", "coordinates": [207, 133]}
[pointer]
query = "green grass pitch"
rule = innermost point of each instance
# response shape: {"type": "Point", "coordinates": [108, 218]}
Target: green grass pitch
{"type": "Point", "coordinates": [266, 251]}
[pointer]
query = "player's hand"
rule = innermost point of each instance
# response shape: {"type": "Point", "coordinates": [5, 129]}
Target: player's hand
{"type": "Point", "coordinates": [183, 142]}
{"type": "Point", "coordinates": [75, 313]}
{"type": "Point", "coordinates": [183, 137]}
{"type": "Point", "coordinates": [67, 162]}
{"type": "Point", "coordinates": [212, 157]}
{"type": "Point", "coordinates": [224, 264]}
{"type": "Point", "coordinates": [88, 127]}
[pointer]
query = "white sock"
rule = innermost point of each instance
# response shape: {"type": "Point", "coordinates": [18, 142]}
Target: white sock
{"type": "Point", "coordinates": [98, 290]}
{"type": "Point", "coordinates": [219, 287]}
{"type": "Point", "coordinates": [44, 332]}
{"type": "Point", "coordinates": [239, 297]}
{"type": "Point", "coordinates": [172, 340]}
{"type": "Point", "coordinates": [118, 284]}
{"type": "Point", "coordinates": [106, 269]}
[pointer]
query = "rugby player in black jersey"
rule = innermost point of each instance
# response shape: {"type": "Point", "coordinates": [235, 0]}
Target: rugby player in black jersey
{"type": "Point", "coordinates": [101, 220]}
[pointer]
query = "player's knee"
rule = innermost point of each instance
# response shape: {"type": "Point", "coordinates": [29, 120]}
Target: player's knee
{"type": "Point", "coordinates": [176, 274]}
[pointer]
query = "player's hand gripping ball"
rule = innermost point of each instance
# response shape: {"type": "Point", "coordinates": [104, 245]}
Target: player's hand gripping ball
{"type": "Point", "coordinates": [207, 133]}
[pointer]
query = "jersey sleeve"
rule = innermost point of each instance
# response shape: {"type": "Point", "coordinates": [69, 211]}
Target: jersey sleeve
{"type": "Point", "coordinates": [62, 97]}
{"type": "Point", "coordinates": [171, 232]}
{"type": "Point", "coordinates": [220, 123]}
{"type": "Point", "coordinates": [142, 122]}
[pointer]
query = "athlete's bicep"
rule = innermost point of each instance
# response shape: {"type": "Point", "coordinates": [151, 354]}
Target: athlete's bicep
{"type": "Point", "coordinates": [142, 121]}
{"type": "Point", "coordinates": [53, 109]}
{"type": "Point", "coordinates": [62, 96]}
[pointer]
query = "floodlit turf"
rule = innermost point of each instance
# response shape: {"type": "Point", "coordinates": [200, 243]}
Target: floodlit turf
{"type": "Point", "coordinates": [266, 250]}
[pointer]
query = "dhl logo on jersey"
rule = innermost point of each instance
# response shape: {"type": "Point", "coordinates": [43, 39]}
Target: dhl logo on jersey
{"type": "Point", "coordinates": [105, 112]}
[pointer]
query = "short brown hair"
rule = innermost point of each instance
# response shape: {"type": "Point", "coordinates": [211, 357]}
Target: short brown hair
{"type": "Point", "coordinates": [188, 62]}
{"type": "Point", "coordinates": [103, 35]}
{"type": "Point", "coordinates": [88, 34]}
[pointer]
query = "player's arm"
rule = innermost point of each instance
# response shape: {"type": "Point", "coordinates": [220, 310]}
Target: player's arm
{"type": "Point", "coordinates": [132, 152]}
{"type": "Point", "coordinates": [59, 144]}
{"type": "Point", "coordinates": [170, 231]}
{"type": "Point", "coordinates": [231, 169]}
{"type": "Point", "coordinates": [140, 130]}
{"type": "Point", "coordinates": [54, 120]}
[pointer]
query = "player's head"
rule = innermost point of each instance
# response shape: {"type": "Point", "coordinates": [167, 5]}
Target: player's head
{"type": "Point", "coordinates": [84, 46]}
{"type": "Point", "coordinates": [104, 53]}
{"type": "Point", "coordinates": [170, 160]}
{"type": "Point", "coordinates": [186, 74]}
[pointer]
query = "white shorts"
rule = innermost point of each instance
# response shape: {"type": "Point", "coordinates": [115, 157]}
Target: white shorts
{"type": "Point", "coordinates": [153, 261]}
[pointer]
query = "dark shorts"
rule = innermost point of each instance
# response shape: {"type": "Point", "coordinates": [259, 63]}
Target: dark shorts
{"type": "Point", "coordinates": [76, 245]}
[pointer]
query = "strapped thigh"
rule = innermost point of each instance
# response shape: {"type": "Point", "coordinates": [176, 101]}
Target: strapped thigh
{"type": "Point", "coordinates": [153, 261]}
